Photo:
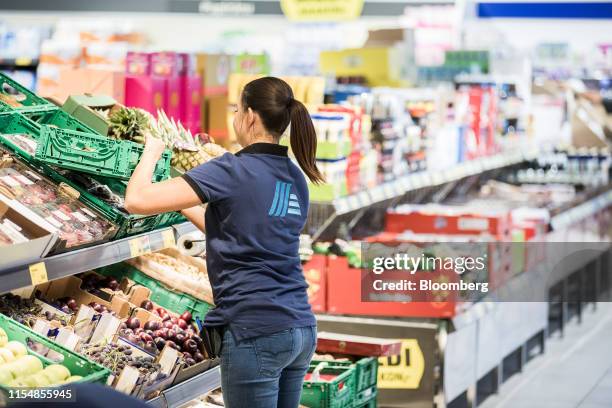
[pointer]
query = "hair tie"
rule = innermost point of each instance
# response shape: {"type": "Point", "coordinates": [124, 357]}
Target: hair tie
{"type": "Point", "coordinates": [290, 102]}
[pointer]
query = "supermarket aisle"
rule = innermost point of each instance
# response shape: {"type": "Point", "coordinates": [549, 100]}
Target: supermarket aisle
{"type": "Point", "coordinates": [575, 371]}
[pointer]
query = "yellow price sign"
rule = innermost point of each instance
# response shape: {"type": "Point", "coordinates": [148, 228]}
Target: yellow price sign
{"type": "Point", "coordinates": [403, 371]}
{"type": "Point", "coordinates": [168, 238]}
{"type": "Point", "coordinates": [140, 246]}
{"type": "Point", "coordinates": [317, 10]}
{"type": "Point", "coordinates": [38, 273]}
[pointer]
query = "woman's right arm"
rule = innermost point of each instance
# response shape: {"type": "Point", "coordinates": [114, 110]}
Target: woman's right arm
{"type": "Point", "coordinates": [196, 216]}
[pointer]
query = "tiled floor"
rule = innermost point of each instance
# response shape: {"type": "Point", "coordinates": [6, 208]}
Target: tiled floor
{"type": "Point", "coordinates": [575, 371]}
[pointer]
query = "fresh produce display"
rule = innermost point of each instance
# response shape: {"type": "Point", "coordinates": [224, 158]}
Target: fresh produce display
{"type": "Point", "coordinates": [19, 369]}
{"type": "Point", "coordinates": [23, 311]}
{"type": "Point", "coordinates": [176, 332]}
{"type": "Point", "coordinates": [116, 357]}
{"type": "Point", "coordinates": [75, 223]}
{"type": "Point", "coordinates": [188, 151]}
{"type": "Point", "coordinates": [128, 124]}
{"type": "Point", "coordinates": [176, 271]}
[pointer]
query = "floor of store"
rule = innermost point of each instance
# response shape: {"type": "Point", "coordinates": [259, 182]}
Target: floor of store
{"type": "Point", "coordinates": [575, 371]}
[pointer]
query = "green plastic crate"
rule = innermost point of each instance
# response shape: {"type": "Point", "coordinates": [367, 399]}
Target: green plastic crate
{"type": "Point", "coordinates": [366, 373]}
{"type": "Point", "coordinates": [59, 118]}
{"type": "Point", "coordinates": [77, 364]}
{"type": "Point", "coordinates": [366, 370]}
{"type": "Point", "coordinates": [337, 393]}
{"type": "Point", "coordinates": [127, 224]}
{"type": "Point", "coordinates": [27, 98]}
{"type": "Point", "coordinates": [94, 154]}
{"type": "Point", "coordinates": [369, 404]}
{"type": "Point", "coordinates": [165, 297]}
{"type": "Point", "coordinates": [16, 123]}
{"type": "Point", "coordinates": [364, 397]}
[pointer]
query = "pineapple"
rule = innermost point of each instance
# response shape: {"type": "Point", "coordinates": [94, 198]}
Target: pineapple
{"type": "Point", "coordinates": [128, 124]}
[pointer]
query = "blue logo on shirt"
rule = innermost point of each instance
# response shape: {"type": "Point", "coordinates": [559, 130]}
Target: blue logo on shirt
{"type": "Point", "coordinates": [284, 202]}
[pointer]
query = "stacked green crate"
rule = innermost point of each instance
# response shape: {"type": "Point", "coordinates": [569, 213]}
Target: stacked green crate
{"type": "Point", "coordinates": [366, 374]}
{"type": "Point", "coordinates": [334, 387]}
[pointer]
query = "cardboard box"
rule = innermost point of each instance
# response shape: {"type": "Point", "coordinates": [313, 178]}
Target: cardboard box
{"type": "Point", "coordinates": [40, 243]}
{"type": "Point", "coordinates": [190, 93]}
{"type": "Point", "coordinates": [217, 117]}
{"type": "Point", "coordinates": [76, 81]}
{"type": "Point", "coordinates": [71, 286]}
{"type": "Point", "coordinates": [145, 92]}
{"type": "Point", "coordinates": [315, 272]}
{"type": "Point", "coordinates": [214, 70]}
{"type": "Point", "coordinates": [83, 107]}
{"type": "Point", "coordinates": [357, 345]}
{"type": "Point", "coordinates": [168, 66]}
{"type": "Point", "coordinates": [381, 66]}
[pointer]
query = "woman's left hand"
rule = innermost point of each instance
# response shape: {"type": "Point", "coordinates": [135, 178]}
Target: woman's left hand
{"type": "Point", "coordinates": [154, 146]}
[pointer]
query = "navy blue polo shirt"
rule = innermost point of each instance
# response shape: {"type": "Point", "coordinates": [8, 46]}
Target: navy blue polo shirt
{"type": "Point", "coordinates": [257, 207]}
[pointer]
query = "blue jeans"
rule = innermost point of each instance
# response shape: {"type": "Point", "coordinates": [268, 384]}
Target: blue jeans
{"type": "Point", "coordinates": [266, 371]}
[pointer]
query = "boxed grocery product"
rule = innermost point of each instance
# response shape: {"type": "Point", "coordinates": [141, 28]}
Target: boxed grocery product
{"type": "Point", "coordinates": [22, 241]}
{"type": "Point", "coordinates": [315, 272]}
{"type": "Point", "coordinates": [145, 92]}
{"type": "Point", "coordinates": [167, 66]}
{"type": "Point", "coordinates": [55, 207]}
{"type": "Point", "coordinates": [440, 219]}
{"type": "Point", "coordinates": [91, 109]}
{"type": "Point", "coordinates": [214, 70]}
{"type": "Point", "coordinates": [381, 66]}
{"type": "Point", "coordinates": [217, 117]}
{"type": "Point", "coordinates": [77, 81]}
{"type": "Point", "coordinates": [190, 93]}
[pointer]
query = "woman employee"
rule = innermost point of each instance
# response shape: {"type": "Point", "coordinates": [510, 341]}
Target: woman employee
{"type": "Point", "coordinates": [257, 206]}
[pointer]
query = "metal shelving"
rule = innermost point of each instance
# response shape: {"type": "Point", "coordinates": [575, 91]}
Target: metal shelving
{"type": "Point", "coordinates": [325, 217]}
{"type": "Point", "coordinates": [188, 390]}
{"type": "Point", "coordinates": [82, 260]}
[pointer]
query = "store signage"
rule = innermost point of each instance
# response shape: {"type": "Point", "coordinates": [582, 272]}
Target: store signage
{"type": "Point", "coordinates": [227, 8]}
{"type": "Point", "coordinates": [404, 371]}
{"type": "Point", "coordinates": [316, 10]}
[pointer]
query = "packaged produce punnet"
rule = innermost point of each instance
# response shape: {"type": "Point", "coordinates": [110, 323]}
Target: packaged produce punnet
{"type": "Point", "coordinates": [22, 241]}
{"type": "Point", "coordinates": [53, 206]}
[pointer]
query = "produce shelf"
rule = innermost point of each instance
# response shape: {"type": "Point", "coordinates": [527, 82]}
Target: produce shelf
{"type": "Point", "coordinates": [189, 389]}
{"type": "Point", "coordinates": [82, 260]}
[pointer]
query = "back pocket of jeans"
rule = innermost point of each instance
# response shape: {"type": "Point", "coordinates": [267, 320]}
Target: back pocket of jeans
{"type": "Point", "coordinates": [274, 352]}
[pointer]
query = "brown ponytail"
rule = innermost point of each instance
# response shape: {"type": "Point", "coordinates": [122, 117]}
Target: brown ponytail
{"type": "Point", "coordinates": [272, 99]}
{"type": "Point", "coordinates": [303, 140]}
